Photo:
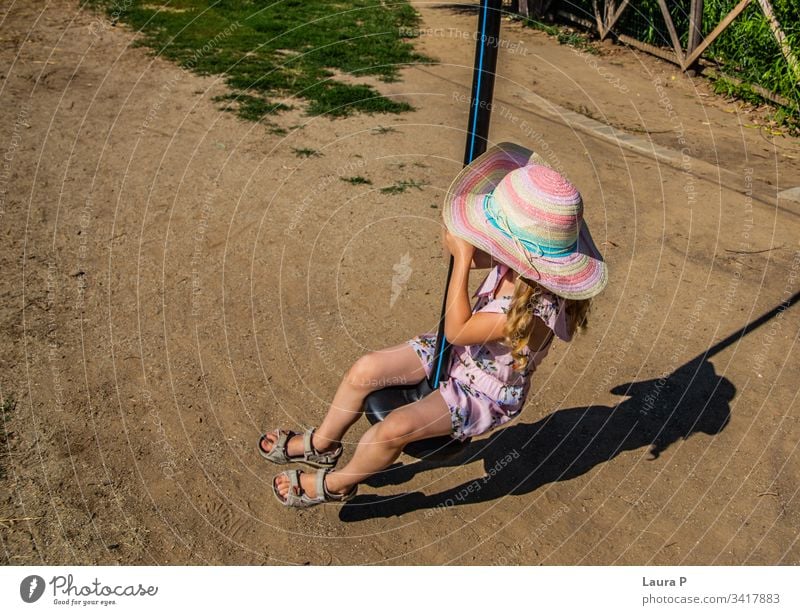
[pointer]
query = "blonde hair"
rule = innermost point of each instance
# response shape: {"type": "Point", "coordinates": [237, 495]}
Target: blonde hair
{"type": "Point", "coordinates": [519, 326]}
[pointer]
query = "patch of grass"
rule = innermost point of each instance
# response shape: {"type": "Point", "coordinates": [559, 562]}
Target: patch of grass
{"type": "Point", "coordinates": [564, 35]}
{"type": "Point", "coordinates": [273, 50]}
{"type": "Point", "coordinates": [6, 408]}
{"type": "Point", "coordinates": [725, 87]}
{"type": "Point", "coordinates": [746, 49]}
{"type": "Point", "coordinates": [789, 119]}
{"type": "Point", "coordinates": [402, 186]}
{"type": "Point", "coordinates": [248, 107]}
{"type": "Point", "coordinates": [357, 180]}
{"type": "Point", "coordinates": [306, 152]}
{"type": "Point", "coordinates": [382, 130]}
{"type": "Point", "coordinates": [786, 118]}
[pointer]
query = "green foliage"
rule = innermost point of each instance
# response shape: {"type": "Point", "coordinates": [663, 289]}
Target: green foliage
{"type": "Point", "coordinates": [306, 152]}
{"type": "Point", "coordinates": [743, 91]}
{"type": "Point", "coordinates": [249, 107]}
{"type": "Point", "coordinates": [564, 35]}
{"type": "Point", "coordinates": [357, 180]}
{"type": "Point", "coordinates": [747, 49]}
{"type": "Point", "coordinates": [402, 186]}
{"type": "Point", "coordinates": [269, 49]}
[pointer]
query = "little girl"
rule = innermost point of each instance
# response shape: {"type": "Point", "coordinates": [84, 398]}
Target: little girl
{"type": "Point", "coordinates": [507, 210]}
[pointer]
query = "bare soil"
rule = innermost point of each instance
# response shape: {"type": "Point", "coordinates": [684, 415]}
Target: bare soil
{"type": "Point", "coordinates": [175, 281]}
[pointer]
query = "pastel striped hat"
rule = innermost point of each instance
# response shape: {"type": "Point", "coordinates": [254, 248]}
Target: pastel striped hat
{"type": "Point", "coordinates": [512, 205]}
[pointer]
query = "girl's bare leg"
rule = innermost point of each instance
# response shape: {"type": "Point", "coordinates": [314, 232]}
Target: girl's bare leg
{"type": "Point", "coordinates": [375, 370]}
{"type": "Point", "coordinates": [380, 446]}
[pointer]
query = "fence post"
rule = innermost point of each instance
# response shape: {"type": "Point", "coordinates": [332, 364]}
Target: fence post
{"type": "Point", "coordinates": [536, 8]}
{"type": "Point", "coordinates": [695, 32]}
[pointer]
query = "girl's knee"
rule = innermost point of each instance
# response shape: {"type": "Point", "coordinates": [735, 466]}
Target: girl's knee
{"type": "Point", "coordinates": [396, 429]}
{"type": "Point", "coordinates": [364, 372]}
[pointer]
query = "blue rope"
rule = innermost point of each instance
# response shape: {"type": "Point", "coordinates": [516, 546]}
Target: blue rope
{"type": "Point", "coordinates": [476, 102]}
{"type": "Point", "coordinates": [478, 88]}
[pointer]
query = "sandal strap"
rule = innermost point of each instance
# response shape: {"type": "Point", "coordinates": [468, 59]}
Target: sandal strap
{"type": "Point", "coordinates": [293, 498]}
{"type": "Point", "coordinates": [294, 481]}
{"type": "Point", "coordinates": [320, 482]}
{"type": "Point", "coordinates": [283, 436]}
{"type": "Point", "coordinates": [303, 500]}
{"type": "Point", "coordinates": [333, 497]}
{"type": "Point", "coordinates": [307, 446]}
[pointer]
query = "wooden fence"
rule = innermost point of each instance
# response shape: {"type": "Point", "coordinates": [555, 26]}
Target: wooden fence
{"type": "Point", "coordinates": [607, 14]}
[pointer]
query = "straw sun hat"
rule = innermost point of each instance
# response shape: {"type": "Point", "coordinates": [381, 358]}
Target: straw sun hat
{"type": "Point", "coordinates": [512, 205]}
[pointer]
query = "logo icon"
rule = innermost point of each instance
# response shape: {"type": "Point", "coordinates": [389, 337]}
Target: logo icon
{"type": "Point", "coordinates": [31, 588]}
{"type": "Point", "coordinates": [402, 273]}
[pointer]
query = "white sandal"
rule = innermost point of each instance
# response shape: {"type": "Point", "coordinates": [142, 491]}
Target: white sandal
{"type": "Point", "coordinates": [298, 498]}
{"type": "Point", "coordinates": [310, 456]}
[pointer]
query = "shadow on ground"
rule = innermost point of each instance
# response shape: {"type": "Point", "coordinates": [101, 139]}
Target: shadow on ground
{"type": "Point", "coordinates": [568, 443]}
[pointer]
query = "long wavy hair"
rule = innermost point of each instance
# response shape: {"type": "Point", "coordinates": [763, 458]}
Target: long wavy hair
{"type": "Point", "coordinates": [519, 325]}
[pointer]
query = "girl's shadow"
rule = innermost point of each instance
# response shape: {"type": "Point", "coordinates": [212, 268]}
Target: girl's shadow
{"type": "Point", "coordinates": [568, 443]}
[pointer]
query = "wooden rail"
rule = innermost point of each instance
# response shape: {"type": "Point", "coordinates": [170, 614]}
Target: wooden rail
{"type": "Point", "coordinates": [608, 12]}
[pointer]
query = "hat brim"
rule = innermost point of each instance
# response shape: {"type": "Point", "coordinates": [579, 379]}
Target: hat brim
{"type": "Point", "coordinates": [579, 275]}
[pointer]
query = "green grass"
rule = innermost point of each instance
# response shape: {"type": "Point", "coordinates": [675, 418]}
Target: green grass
{"type": "Point", "coordinates": [402, 186]}
{"type": "Point", "coordinates": [306, 152]}
{"type": "Point", "coordinates": [267, 51]}
{"type": "Point", "coordinates": [357, 180]}
{"type": "Point", "coordinates": [252, 108]}
{"type": "Point", "coordinates": [785, 117]}
{"type": "Point", "coordinates": [746, 49]}
{"type": "Point", "coordinates": [564, 35]}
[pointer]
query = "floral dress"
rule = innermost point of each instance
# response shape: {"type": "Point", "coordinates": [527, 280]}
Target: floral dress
{"type": "Point", "coordinates": [482, 390]}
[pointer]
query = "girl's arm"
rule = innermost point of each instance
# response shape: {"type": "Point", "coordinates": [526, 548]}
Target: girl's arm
{"type": "Point", "coordinates": [461, 326]}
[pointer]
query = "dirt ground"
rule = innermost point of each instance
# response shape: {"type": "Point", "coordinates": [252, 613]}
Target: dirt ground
{"type": "Point", "coordinates": [175, 281]}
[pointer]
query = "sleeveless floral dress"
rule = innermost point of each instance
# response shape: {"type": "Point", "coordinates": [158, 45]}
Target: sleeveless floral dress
{"type": "Point", "coordinates": [482, 390]}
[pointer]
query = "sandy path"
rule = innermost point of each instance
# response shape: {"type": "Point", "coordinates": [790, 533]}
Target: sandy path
{"type": "Point", "coordinates": [177, 281]}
